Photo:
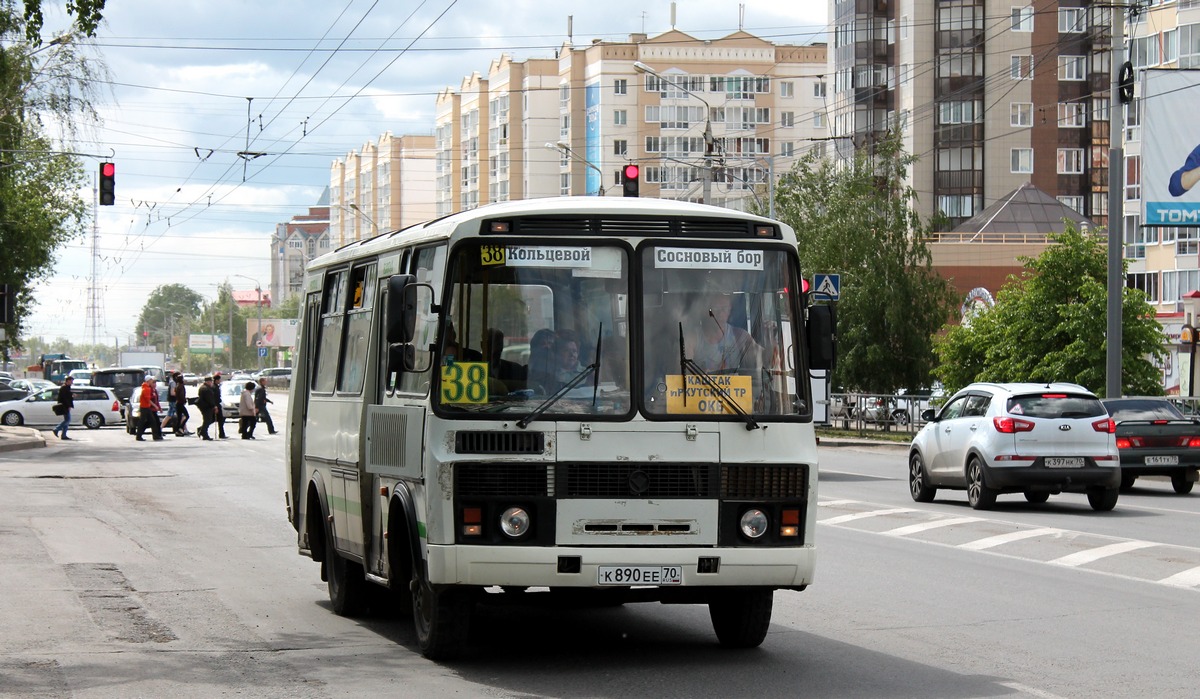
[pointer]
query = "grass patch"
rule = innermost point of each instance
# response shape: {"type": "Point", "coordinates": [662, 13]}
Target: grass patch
{"type": "Point", "coordinates": [874, 435]}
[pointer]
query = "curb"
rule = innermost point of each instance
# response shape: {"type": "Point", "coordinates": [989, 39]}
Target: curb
{"type": "Point", "coordinates": [18, 438]}
{"type": "Point", "coordinates": [837, 442]}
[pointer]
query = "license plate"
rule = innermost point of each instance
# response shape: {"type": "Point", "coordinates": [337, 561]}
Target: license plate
{"type": "Point", "coordinates": [1064, 462]}
{"type": "Point", "coordinates": [639, 575]}
{"type": "Point", "coordinates": [1162, 460]}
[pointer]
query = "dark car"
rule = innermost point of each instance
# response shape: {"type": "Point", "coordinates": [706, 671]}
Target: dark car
{"type": "Point", "coordinates": [9, 393]}
{"type": "Point", "coordinates": [122, 380]}
{"type": "Point", "coordinates": [1155, 439]}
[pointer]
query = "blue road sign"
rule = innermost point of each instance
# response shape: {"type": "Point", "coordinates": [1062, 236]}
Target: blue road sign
{"type": "Point", "coordinates": [828, 286]}
{"type": "Point", "coordinates": [262, 351]}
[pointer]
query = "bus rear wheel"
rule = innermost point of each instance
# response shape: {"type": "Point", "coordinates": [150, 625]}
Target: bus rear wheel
{"type": "Point", "coordinates": [441, 617]}
{"type": "Point", "coordinates": [346, 582]}
{"type": "Point", "coordinates": [741, 617]}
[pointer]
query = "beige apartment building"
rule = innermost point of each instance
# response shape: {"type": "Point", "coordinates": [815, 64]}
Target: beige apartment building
{"type": "Point", "coordinates": [384, 186]}
{"type": "Point", "coordinates": [568, 125]}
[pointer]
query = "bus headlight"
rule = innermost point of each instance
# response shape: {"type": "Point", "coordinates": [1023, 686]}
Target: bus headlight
{"type": "Point", "coordinates": [754, 523]}
{"type": "Point", "coordinates": [514, 522]}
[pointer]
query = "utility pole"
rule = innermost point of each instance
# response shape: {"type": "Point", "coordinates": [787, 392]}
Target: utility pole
{"type": "Point", "coordinates": [1116, 212]}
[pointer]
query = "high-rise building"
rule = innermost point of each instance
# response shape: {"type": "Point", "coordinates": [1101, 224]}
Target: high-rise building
{"type": "Point", "coordinates": [381, 187]}
{"type": "Point", "coordinates": [706, 120]}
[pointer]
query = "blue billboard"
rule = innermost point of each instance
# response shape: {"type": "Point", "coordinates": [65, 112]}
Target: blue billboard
{"type": "Point", "coordinates": [591, 149]}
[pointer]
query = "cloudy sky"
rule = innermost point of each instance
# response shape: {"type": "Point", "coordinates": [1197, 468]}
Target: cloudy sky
{"type": "Point", "coordinates": [304, 83]}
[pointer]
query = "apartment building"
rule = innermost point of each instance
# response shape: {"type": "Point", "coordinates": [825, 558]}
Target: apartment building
{"type": "Point", "coordinates": [294, 243]}
{"type": "Point", "coordinates": [567, 126]}
{"type": "Point", "coordinates": [383, 186]}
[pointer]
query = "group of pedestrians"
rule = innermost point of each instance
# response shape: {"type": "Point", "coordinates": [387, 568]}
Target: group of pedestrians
{"type": "Point", "coordinates": [252, 407]}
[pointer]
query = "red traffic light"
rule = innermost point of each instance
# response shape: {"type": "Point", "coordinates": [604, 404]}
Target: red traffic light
{"type": "Point", "coordinates": [804, 286]}
{"type": "Point", "coordinates": [108, 169]}
{"type": "Point", "coordinates": [629, 182]}
{"type": "Point", "coordinates": [108, 184]}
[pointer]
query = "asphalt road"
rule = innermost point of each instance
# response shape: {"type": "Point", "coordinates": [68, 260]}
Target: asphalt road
{"type": "Point", "coordinates": [169, 569]}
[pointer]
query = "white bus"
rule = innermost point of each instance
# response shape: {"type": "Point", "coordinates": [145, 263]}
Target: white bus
{"type": "Point", "coordinates": [596, 399]}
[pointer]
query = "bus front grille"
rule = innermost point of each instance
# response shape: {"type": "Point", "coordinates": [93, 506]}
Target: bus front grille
{"type": "Point", "coordinates": [473, 480]}
{"type": "Point", "coordinates": [764, 481]}
{"type": "Point", "coordinates": [626, 480]}
{"type": "Point", "coordinates": [490, 442]}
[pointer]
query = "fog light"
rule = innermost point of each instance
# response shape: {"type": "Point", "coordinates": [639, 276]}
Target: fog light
{"type": "Point", "coordinates": [789, 531]}
{"type": "Point", "coordinates": [754, 523]}
{"type": "Point", "coordinates": [514, 522]}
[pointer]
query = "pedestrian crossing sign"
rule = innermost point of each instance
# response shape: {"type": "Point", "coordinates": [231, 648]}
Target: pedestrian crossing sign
{"type": "Point", "coordinates": [827, 285]}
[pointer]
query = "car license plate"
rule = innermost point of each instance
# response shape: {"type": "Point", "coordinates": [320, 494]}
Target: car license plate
{"type": "Point", "coordinates": [639, 575]}
{"type": "Point", "coordinates": [1064, 462]}
{"type": "Point", "coordinates": [1162, 460]}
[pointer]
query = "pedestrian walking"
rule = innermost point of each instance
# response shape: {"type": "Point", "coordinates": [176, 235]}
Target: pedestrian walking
{"type": "Point", "coordinates": [207, 405]}
{"type": "Point", "coordinates": [260, 404]}
{"type": "Point", "coordinates": [220, 412]}
{"type": "Point", "coordinates": [66, 401]}
{"type": "Point", "coordinates": [171, 420]}
{"type": "Point", "coordinates": [148, 407]}
{"type": "Point", "coordinates": [180, 401]}
{"type": "Point", "coordinates": [246, 411]}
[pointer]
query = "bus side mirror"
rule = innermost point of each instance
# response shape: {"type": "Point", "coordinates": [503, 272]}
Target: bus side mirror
{"type": "Point", "coordinates": [822, 323]}
{"type": "Point", "coordinates": [401, 308]}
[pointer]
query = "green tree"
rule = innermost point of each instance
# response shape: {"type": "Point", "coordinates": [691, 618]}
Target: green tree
{"type": "Point", "coordinates": [1049, 324]}
{"type": "Point", "coordinates": [43, 89]}
{"type": "Point", "coordinates": [168, 313]}
{"type": "Point", "coordinates": [856, 219]}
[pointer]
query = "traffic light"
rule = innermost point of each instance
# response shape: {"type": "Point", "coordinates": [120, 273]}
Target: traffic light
{"type": "Point", "coordinates": [8, 305]}
{"type": "Point", "coordinates": [108, 185]}
{"type": "Point", "coordinates": [629, 181]}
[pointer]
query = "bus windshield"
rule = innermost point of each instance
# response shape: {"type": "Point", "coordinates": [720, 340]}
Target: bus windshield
{"type": "Point", "coordinates": [720, 332]}
{"type": "Point", "coordinates": [525, 321]}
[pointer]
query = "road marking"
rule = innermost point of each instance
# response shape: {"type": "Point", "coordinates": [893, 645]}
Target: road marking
{"type": "Point", "coordinates": [1032, 691]}
{"type": "Point", "coordinates": [1081, 557]}
{"type": "Point", "coordinates": [842, 519]}
{"type": "Point", "coordinates": [836, 503]}
{"type": "Point", "coordinates": [1000, 539]}
{"type": "Point", "coordinates": [926, 526]}
{"type": "Point", "coordinates": [1188, 578]}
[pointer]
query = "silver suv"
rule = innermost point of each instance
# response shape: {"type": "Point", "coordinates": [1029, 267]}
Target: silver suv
{"type": "Point", "coordinates": [1037, 439]}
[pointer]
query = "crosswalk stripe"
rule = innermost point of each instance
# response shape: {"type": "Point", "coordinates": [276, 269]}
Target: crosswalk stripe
{"type": "Point", "coordinates": [1081, 557]}
{"type": "Point", "coordinates": [993, 541]}
{"type": "Point", "coordinates": [935, 524]}
{"type": "Point", "coordinates": [842, 519]}
{"type": "Point", "coordinates": [1187, 578]}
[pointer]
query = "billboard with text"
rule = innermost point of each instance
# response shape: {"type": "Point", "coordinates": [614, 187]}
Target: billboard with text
{"type": "Point", "coordinates": [1170, 149]}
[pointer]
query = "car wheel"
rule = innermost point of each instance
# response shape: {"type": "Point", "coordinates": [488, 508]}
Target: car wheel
{"type": "Point", "coordinates": [1181, 484]}
{"type": "Point", "coordinates": [13, 419]}
{"type": "Point", "coordinates": [1127, 482]}
{"type": "Point", "coordinates": [741, 617]}
{"type": "Point", "coordinates": [979, 495]}
{"type": "Point", "coordinates": [1102, 499]}
{"type": "Point", "coordinates": [441, 618]}
{"type": "Point", "coordinates": [1037, 497]}
{"type": "Point", "coordinates": [93, 421]}
{"type": "Point", "coordinates": [918, 482]}
{"type": "Point", "coordinates": [900, 417]}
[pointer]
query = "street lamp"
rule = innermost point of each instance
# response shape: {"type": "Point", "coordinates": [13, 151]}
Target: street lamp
{"type": "Point", "coordinates": [561, 146]}
{"type": "Point", "coordinates": [258, 288]}
{"type": "Point", "coordinates": [708, 137]}
{"type": "Point", "coordinates": [374, 226]}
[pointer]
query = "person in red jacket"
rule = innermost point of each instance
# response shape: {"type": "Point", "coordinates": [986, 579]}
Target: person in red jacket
{"type": "Point", "coordinates": [148, 408]}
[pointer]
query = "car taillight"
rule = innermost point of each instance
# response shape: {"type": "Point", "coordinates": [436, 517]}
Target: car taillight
{"type": "Point", "coordinates": [116, 406]}
{"type": "Point", "coordinates": [1106, 425]}
{"type": "Point", "coordinates": [1191, 442]}
{"type": "Point", "coordinates": [1124, 443]}
{"type": "Point", "coordinates": [1011, 425]}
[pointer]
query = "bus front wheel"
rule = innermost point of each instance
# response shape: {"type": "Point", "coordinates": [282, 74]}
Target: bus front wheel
{"type": "Point", "coordinates": [741, 617]}
{"type": "Point", "coordinates": [441, 617]}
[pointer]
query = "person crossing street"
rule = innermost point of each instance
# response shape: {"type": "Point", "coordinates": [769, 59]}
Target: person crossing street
{"type": "Point", "coordinates": [260, 404]}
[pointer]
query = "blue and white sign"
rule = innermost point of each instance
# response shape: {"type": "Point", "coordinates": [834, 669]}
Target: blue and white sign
{"type": "Point", "coordinates": [262, 351]}
{"type": "Point", "coordinates": [591, 134]}
{"type": "Point", "coordinates": [828, 286]}
{"type": "Point", "coordinates": [1170, 149]}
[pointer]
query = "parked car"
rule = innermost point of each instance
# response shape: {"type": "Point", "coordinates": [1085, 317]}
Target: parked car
{"type": "Point", "coordinates": [7, 392]}
{"type": "Point", "coordinates": [122, 380]}
{"type": "Point", "coordinates": [95, 407]}
{"type": "Point", "coordinates": [275, 376]}
{"type": "Point", "coordinates": [231, 395]}
{"type": "Point", "coordinates": [32, 385]}
{"type": "Point", "coordinates": [1038, 439]}
{"type": "Point", "coordinates": [135, 409]}
{"type": "Point", "coordinates": [191, 379]}
{"type": "Point", "coordinates": [1155, 439]}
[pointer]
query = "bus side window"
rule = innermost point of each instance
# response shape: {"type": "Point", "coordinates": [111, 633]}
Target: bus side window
{"type": "Point", "coordinates": [358, 330]}
{"type": "Point", "coordinates": [333, 311]}
{"type": "Point", "coordinates": [430, 269]}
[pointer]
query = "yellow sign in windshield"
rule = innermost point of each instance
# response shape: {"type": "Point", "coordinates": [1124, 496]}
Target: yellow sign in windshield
{"type": "Point", "coordinates": [701, 399]}
{"type": "Point", "coordinates": [465, 382]}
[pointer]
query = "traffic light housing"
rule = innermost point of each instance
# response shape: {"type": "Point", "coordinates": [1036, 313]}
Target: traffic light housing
{"type": "Point", "coordinates": [629, 180]}
{"type": "Point", "coordinates": [108, 185]}
{"type": "Point", "coordinates": [8, 304]}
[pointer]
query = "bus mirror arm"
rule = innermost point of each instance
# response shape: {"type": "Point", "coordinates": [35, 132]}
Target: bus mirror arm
{"type": "Point", "coordinates": [401, 359]}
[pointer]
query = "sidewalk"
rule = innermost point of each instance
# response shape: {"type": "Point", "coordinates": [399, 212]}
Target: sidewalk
{"type": "Point", "coordinates": [859, 442]}
{"type": "Point", "coordinates": [16, 438]}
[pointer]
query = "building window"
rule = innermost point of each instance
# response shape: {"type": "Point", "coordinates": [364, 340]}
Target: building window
{"type": "Point", "coordinates": [787, 149]}
{"type": "Point", "coordinates": [787, 119]}
{"type": "Point", "coordinates": [1072, 67]}
{"type": "Point", "coordinates": [1020, 113]}
{"type": "Point", "coordinates": [1072, 115]}
{"type": "Point", "coordinates": [1072, 202]}
{"type": "Point", "coordinates": [957, 205]}
{"type": "Point", "coordinates": [960, 112]}
{"type": "Point", "coordinates": [1147, 282]}
{"type": "Point", "coordinates": [1133, 177]}
{"type": "Point", "coordinates": [564, 184]}
{"type": "Point", "coordinates": [818, 120]}
{"type": "Point", "coordinates": [1022, 161]}
{"type": "Point", "coordinates": [620, 117]}
{"type": "Point", "coordinates": [1022, 19]}
{"type": "Point", "coordinates": [1070, 161]}
{"type": "Point", "coordinates": [819, 89]}
{"type": "Point", "coordinates": [787, 88]}
{"type": "Point", "coordinates": [1072, 20]}
{"type": "Point", "coordinates": [1179, 283]}
{"type": "Point", "coordinates": [1187, 242]}
{"type": "Point", "coordinates": [620, 86]}
{"type": "Point", "coordinates": [1021, 67]}
{"type": "Point", "coordinates": [564, 95]}
{"type": "Point", "coordinates": [620, 147]}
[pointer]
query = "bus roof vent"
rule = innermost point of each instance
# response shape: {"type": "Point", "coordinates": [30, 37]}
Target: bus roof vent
{"type": "Point", "coordinates": [719, 227]}
{"type": "Point", "coordinates": [635, 226]}
{"type": "Point", "coordinates": [491, 442]}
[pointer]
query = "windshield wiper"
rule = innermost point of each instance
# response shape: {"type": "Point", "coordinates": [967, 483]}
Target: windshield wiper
{"type": "Point", "coordinates": [686, 364]}
{"type": "Point", "coordinates": [575, 381]}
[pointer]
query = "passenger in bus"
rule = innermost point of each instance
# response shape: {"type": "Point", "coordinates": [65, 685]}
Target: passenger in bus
{"type": "Point", "coordinates": [512, 374]}
{"type": "Point", "coordinates": [717, 345]}
{"type": "Point", "coordinates": [566, 352]}
{"type": "Point", "coordinates": [541, 369]}
{"type": "Point", "coordinates": [452, 351]}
